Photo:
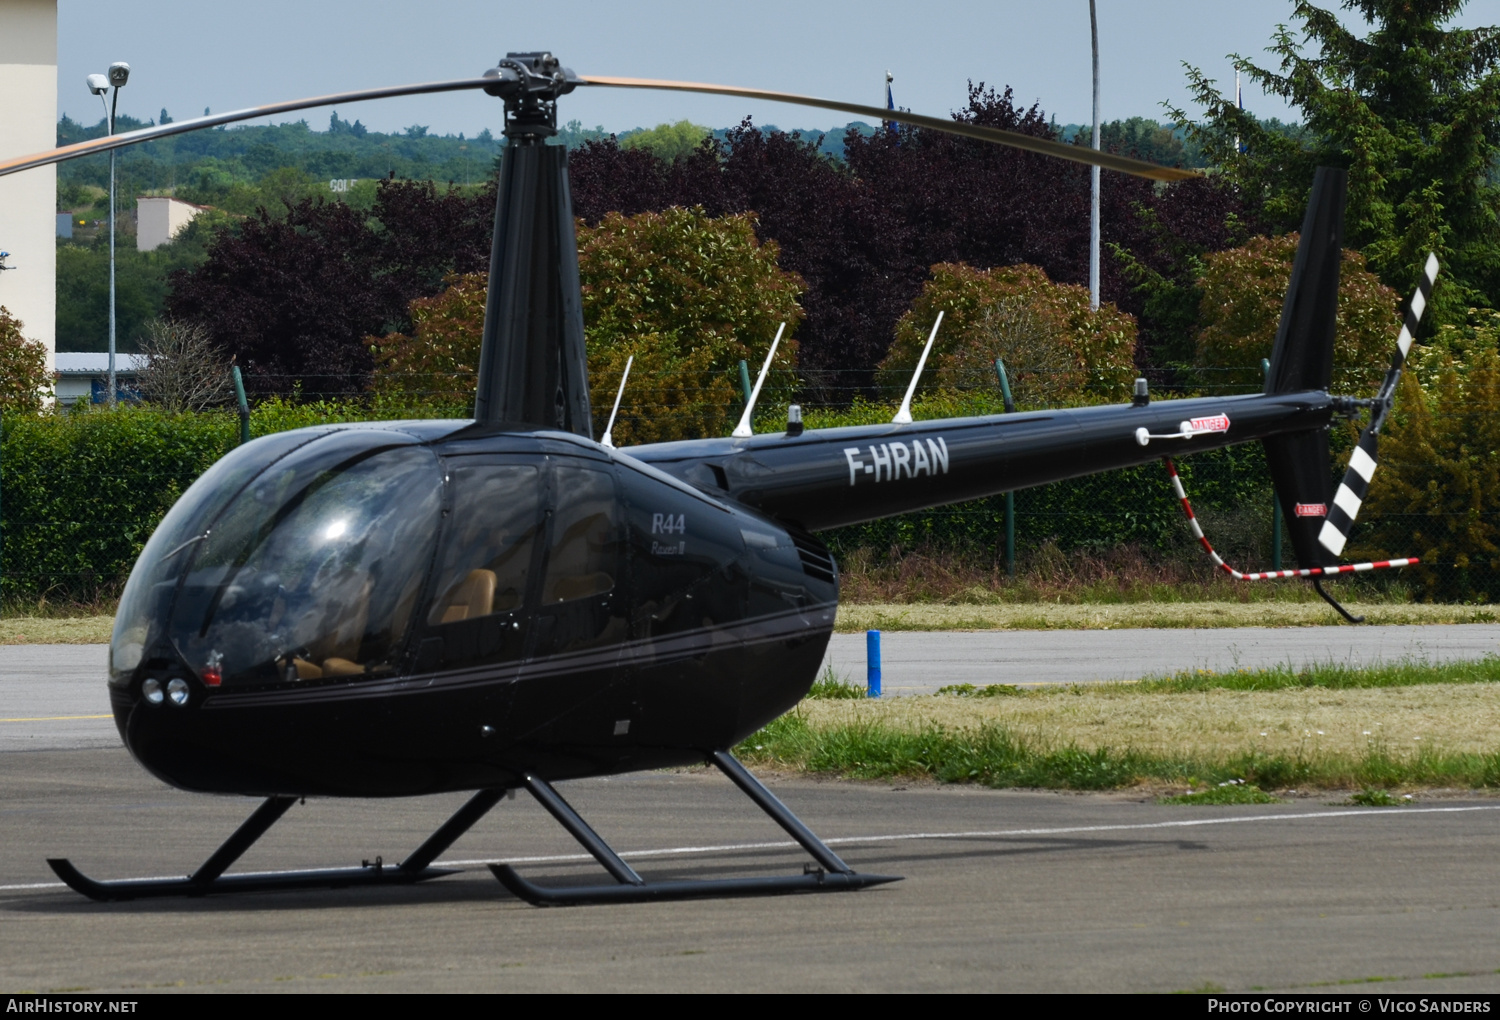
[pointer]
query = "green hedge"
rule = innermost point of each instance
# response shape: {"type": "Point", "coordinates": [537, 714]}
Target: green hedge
{"type": "Point", "coordinates": [81, 491]}
{"type": "Point", "coordinates": [1230, 489]}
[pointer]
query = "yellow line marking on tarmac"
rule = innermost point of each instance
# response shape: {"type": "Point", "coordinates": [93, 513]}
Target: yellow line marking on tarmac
{"type": "Point", "coordinates": [58, 718]}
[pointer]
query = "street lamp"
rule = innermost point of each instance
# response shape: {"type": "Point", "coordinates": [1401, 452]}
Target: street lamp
{"type": "Point", "coordinates": [99, 84]}
{"type": "Point", "coordinates": [1094, 193]}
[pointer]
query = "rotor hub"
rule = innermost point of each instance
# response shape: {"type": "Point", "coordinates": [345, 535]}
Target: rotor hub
{"type": "Point", "coordinates": [530, 84]}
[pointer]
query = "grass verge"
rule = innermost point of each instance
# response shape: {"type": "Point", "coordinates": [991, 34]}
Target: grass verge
{"type": "Point", "coordinates": [55, 630]}
{"type": "Point", "coordinates": [31, 619]}
{"type": "Point", "coordinates": [1333, 676]}
{"type": "Point", "coordinates": [1200, 737]}
{"type": "Point", "coordinates": [856, 617]}
{"type": "Point", "coordinates": [1231, 791]}
{"type": "Point", "coordinates": [997, 756]}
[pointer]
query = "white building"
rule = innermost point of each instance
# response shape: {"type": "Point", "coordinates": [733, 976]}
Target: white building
{"type": "Point", "coordinates": [28, 200]}
{"type": "Point", "coordinates": [157, 220]}
{"type": "Point", "coordinates": [85, 376]}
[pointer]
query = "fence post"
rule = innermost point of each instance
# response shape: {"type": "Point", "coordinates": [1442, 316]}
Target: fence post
{"type": "Point", "coordinates": [239, 394]}
{"type": "Point", "coordinates": [1010, 497]}
{"type": "Point", "coordinates": [872, 663]}
{"type": "Point", "coordinates": [745, 380]}
{"type": "Point", "coordinates": [1265, 371]}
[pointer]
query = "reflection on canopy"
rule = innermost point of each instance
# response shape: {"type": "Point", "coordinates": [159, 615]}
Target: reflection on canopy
{"type": "Point", "coordinates": [311, 570]}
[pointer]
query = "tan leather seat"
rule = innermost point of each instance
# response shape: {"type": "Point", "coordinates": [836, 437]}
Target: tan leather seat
{"type": "Point", "coordinates": [338, 649]}
{"type": "Point", "coordinates": [472, 597]}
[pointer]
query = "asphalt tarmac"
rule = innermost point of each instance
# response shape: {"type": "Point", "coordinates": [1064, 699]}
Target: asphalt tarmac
{"type": "Point", "coordinates": [919, 662]}
{"type": "Point", "coordinates": [1003, 891]}
{"type": "Point", "coordinates": [54, 696]}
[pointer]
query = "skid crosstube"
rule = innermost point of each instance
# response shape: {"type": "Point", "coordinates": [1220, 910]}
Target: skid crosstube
{"type": "Point", "coordinates": [831, 874]}
{"type": "Point", "coordinates": [210, 878]}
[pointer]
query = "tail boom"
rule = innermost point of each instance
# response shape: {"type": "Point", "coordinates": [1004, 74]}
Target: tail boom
{"type": "Point", "coordinates": [830, 478]}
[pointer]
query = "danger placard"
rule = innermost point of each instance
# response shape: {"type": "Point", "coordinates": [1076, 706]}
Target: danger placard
{"type": "Point", "coordinates": [1213, 423]}
{"type": "Point", "coordinates": [1312, 509]}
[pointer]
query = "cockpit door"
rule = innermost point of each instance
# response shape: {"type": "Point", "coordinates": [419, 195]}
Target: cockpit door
{"type": "Point", "coordinates": [487, 565]}
{"type": "Point", "coordinates": [583, 603]}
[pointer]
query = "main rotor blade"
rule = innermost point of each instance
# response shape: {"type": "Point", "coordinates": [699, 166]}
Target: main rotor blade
{"type": "Point", "coordinates": [108, 142]}
{"type": "Point", "coordinates": [1046, 146]}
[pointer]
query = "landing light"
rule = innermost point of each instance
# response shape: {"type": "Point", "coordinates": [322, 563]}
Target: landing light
{"type": "Point", "coordinates": [151, 690]}
{"type": "Point", "coordinates": [177, 690]}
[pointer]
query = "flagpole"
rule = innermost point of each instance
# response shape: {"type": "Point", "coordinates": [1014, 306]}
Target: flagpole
{"type": "Point", "coordinates": [890, 102]}
{"type": "Point", "coordinates": [1239, 102]}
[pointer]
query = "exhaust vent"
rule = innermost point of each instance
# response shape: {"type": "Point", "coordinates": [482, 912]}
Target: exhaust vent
{"type": "Point", "coordinates": [817, 561]}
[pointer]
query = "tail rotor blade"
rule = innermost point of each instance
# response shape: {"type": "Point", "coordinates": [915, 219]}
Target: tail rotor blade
{"type": "Point", "coordinates": [1356, 483]}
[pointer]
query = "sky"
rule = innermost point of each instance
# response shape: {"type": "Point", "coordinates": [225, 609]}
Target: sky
{"type": "Point", "coordinates": [186, 56]}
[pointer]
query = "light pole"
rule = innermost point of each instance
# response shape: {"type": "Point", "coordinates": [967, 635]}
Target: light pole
{"type": "Point", "coordinates": [99, 84]}
{"type": "Point", "coordinates": [1094, 196]}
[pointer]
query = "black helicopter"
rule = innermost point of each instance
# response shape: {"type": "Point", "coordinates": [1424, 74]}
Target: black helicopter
{"type": "Point", "coordinates": [395, 609]}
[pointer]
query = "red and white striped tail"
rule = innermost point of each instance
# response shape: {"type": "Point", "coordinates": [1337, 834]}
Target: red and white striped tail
{"type": "Point", "coordinates": [1268, 575]}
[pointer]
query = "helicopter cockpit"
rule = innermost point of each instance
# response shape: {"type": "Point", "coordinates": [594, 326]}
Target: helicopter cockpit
{"type": "Point", "coordinates": [343, 554]}
{"type": "Point", "coordinates": [300, 558]}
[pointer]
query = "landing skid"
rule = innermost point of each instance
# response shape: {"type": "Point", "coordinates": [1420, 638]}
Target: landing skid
{"type": "Point", "coordinates": [830, 875]}
{"type": "Point", "coordinates": [210, 878]}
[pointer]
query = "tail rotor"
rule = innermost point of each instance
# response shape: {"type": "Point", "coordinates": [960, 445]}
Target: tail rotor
{"type": "Point", "coordinates": [1356, 484]}
{"type": "Point", "coordinates": [1302, 362]}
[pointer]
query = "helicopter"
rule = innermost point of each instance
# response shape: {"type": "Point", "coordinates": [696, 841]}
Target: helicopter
{"type": "Point", "coordinates": [406, 608]}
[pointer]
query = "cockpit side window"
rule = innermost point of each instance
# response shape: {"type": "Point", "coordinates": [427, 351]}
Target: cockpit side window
{"type": "Point", "coordinates": [489, 541]}
{"type": "Point", "coordinates": [582, 557]}
{"type": "Point", "coordinates": [583, 603]}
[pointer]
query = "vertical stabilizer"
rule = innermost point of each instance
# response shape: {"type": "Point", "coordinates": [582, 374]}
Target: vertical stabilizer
{"type": "Point", "coordinates": [1302, 359]}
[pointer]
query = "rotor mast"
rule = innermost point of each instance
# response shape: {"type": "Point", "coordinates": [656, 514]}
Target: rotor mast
{"type": "Point", "coordinates": [533, 371]}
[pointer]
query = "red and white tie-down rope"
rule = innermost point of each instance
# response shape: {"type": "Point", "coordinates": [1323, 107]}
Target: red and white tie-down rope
{"type": "Point", "coordinates": [1267, 575]}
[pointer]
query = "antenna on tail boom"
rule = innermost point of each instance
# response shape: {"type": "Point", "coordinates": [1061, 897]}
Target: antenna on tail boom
{"type": "Point", "coordinates": [903, 416]}
{"type": "Point", "coordinates": [609, 430]}
{"type": "Point", "coordinates": [743, 430]}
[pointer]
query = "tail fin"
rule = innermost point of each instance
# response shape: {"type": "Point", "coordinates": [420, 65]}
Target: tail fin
{"type": "Point", "coordinates": [1303, 360]}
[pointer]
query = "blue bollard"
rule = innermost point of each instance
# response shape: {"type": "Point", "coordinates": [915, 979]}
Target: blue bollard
{"type": "Point", "coordinates": [872, 669]}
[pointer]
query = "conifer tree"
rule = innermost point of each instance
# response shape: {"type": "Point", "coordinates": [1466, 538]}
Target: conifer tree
{"type": "Point", "coordinates": [1411, 109]}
